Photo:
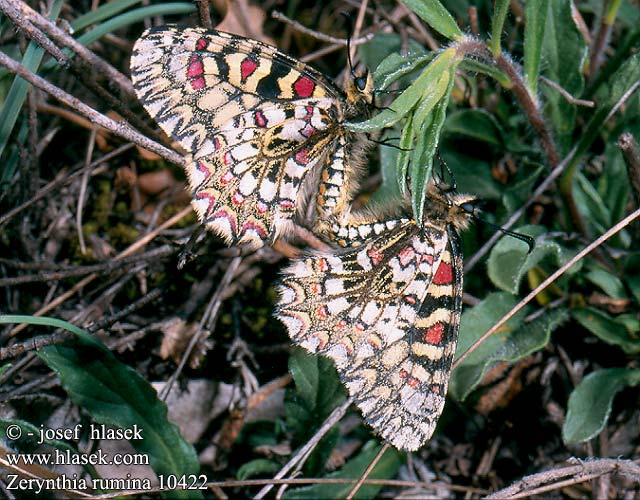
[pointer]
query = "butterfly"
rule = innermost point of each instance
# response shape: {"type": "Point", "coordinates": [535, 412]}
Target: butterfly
{"type": "Point", "coordinates": [386, 309]}
{"type": "Point", "coordinates": [263, 132]}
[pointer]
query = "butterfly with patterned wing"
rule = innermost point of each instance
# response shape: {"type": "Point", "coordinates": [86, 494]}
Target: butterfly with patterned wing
{"type": "Point", "coordinates": [263, 132]}
{"type": "Point", "coordinates": [386, 309]}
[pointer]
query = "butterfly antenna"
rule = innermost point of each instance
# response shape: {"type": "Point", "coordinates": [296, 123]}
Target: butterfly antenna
{"type": "Point", "coordinates": [470, 208]}
{"type": "Point", "coordinates": [349, 21]}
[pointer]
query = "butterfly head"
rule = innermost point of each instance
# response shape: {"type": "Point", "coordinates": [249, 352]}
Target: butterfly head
{"type": "Point", "coordinates": [450, 207]}
{"type": "Point", "coordinates": [359, 89]}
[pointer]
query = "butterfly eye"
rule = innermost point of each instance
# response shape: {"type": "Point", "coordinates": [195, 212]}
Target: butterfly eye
{"type": "Point", "coordinates": [361, 83]}
{"type": "Point", "coordinates": [471, 206]}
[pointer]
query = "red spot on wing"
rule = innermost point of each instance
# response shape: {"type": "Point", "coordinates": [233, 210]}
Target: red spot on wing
{"type": "Point", "coordinates": [195, 68]}
{"type": "Point", "coordinates": [316, 288]}
{"type": "Point", "coordinates": [195, 72]}
{"type": "Point", "coordinates": [287, 204]}
{"type": "Point", "coordinates": [216, 143]}
{"type": "Point", "coordinates": [435, 389]}
{"type": "Point", "coordinates": [375, 256]}
{"type": "Point", "coordinates": [222, 214]}
{"type": "Point", "coordinates": [201, 167]}
{"type": "Point", "coordinates": [434, 334]}
{"type": "Point", "coordinates": [406, 255]}
{"type": "Point", "coordinates": [347, 346]}
{"type": "Point", "coordinates": [359, 326]}
{"type": "Point", "coordinates": [444, 274]}
{"type": "Point", "coordinates": [206, 195]}
{"type": "Point", "coordinates": [198, 83]}
{"type": "Point", "coordinates": [302, 156]}
{"type": "Point", "coordinates": [322, 312]}
{"type": "Point", "coordinates": [322, 265]}
{"type": "Point", "coordinates": [262, 207]}
{"type": "Point", "coordinates": [201, 44]}
{"type": "Point", "coordinates": [261, 121]}
{"type": "Point", "coordinates": [252, 226]}
{"type": "Point", "coordinates": [226, 178]}
{"type": "Point", "coordinates": [403, 373]}
{"type": "Point", "coordinates": [304, 86]}
{"type": "Point", "coordinates": [237, 199]}
{"type": "Point", "coordinates": [227, 158]}
{"type": "Point", "coordinates": [247, 67]}
{"type": "Point", "coordinates": [308, 130]}
{"type": "Point", "coordinates": [374, 342]}
{"type": "Point", "coordinates": [428, 259]}
{"type": "Point", "coordinates": [321, 341]}
{"type": "Point", "coordinates": [410, 299]}
{"type": "Point", "coordinates": [413, 382]}
{"type": "Point", "coordinates": [341, 324]}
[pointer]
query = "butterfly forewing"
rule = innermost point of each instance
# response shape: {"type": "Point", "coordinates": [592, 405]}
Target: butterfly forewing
{"type": "Point", "coordinates": [257, 125]}
{"type": "Point", "coordinates": [386, 309]}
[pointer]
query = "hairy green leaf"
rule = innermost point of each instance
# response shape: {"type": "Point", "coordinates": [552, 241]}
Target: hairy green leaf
{"type": "Point", "coordinates": [590, 402]}
{"type": "Point", "coordinates": [115, 394]}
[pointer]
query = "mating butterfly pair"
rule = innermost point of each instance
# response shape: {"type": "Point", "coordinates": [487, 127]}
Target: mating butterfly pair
{"type": "Point", "coordinates": [263, 132]}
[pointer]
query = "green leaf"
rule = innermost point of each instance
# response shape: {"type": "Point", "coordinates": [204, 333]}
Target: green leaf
{"type": "Point", "coordinates": [609, 283]}
{"type": "Point", "coordinates": [563, 51]}
{"type": "Point", "coordinates": [500, 9]}
{"type": "Point", "coordinates": [426, 87]}
{"type": "Point", "coordinates": [386, 468]}
{"type": "Point", "coordinates": [103, 12]}
{"type": "Point", "coordinates": [435, 15]}
{"type": "Point", "coordinates": [608, 329]}
{"type": "Point", "coordinates": [134, 16]}
{"type": "Point", "coordinates": [473, 324]}
{"type": "Point", "coordinates": [515, 341]}
{"type": "Point", "coordinates": [589, 201]}
{"type": "Point", "coordinates": [472, 66]}
{"type": "Point", "coordinates": [257, 467]}
{"type": "Point", "coordinates": [476, 124]}
{"type": "Point", "coordinates": [29, 440]}
{"type": "Point", "coordinates": [633, 282]}
{"type": "Point", "coordinates": [114, 394]}
{"type": "Point", "coordinates": [405, 155]}
{"type": "Point", "coordinates": [382, 53]}
{"type": "Point", "coordinates": [590, 402]}
{"type": "Point", "coordinates": [318, 391]}
{"type": "Point", "coordinates": [428, 139]}
{"type": "Point", "coordinates": [17, 94]}
{"type": "Point", "coordinates": [389, 190]}
{"type": "Point", "coordinates": [509, 259]}
{"type": "Point", "coordinates": [536, 16]}
{"type": "Point", "coordinates": [304, 369]}
{"type": "Point", "coordinates": [395, 66]}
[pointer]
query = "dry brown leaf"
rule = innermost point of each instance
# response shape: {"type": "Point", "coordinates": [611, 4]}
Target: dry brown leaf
{"type": "Point", "coordinates": [145, 154]}
{"type": "Point", "coordinates": [499, 395]}
{"type": "Point", "coordinates": [244, 19]}
{"type": "Point", "coordinates": [153, 183]}
{"type": "Point", "coordinates": [611, 305]}
{"type": "Point", "coordinates": [177, 334]}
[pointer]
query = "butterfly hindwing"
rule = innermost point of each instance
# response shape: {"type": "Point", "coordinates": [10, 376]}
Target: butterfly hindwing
{"type": "Point", "coordinates": [258, 125]}
{"type": "Point", "coordinates": [386, 309]}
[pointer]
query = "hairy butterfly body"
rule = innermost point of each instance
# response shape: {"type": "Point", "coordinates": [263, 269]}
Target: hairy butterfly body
{"type": "Point", "coordinates": [262, 130]}
{"type": "Point", "coordinates": [386, 308]}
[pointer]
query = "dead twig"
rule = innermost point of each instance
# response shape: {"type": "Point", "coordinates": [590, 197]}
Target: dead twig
{"type": "Point", "coordinates": [119, 128]}
{"type": "Point", "coordinates": [585, 471]}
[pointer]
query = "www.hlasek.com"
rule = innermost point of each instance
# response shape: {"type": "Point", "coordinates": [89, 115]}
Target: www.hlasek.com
{"type": "Point", "coordinates": [99, 457]}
